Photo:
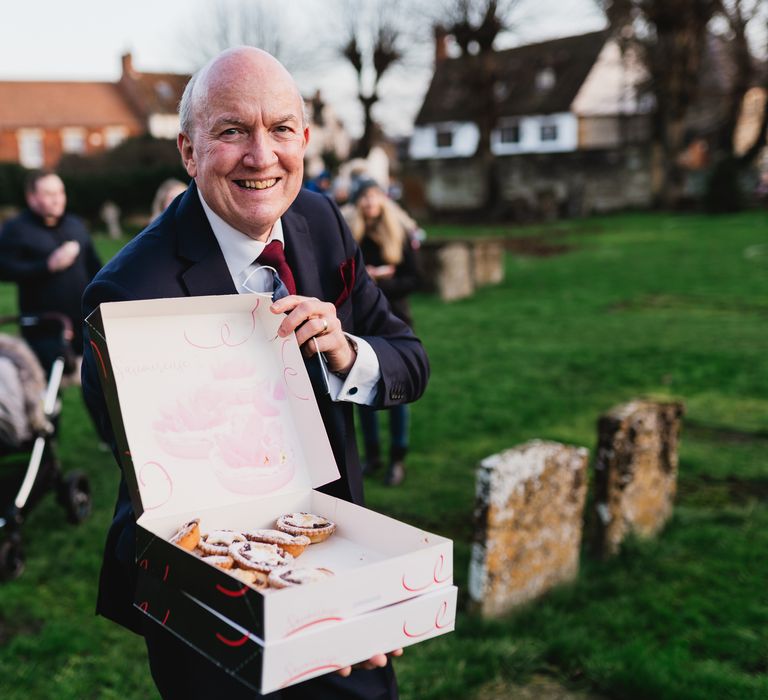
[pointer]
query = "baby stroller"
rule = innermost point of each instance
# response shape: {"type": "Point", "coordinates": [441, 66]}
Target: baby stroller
{"type": "Point", "coordinates": [29, 419]}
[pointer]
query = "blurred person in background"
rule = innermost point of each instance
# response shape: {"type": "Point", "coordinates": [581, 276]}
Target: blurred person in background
{"type": "Point", "coordinates": [168, 191]}
{"type": "Point", "coordinates": [390, 251]}
{"type": "Point", "coordinates": [49, 254]}
{"type": "Point", "coordinates": [321, 183]}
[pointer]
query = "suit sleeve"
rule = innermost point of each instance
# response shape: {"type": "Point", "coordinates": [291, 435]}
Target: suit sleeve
{"type": "Point", "coordinates": [402, 357]}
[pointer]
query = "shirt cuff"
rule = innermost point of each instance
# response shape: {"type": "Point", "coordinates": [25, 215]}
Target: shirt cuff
{"type": "Point", "coordinates": [360, 385]}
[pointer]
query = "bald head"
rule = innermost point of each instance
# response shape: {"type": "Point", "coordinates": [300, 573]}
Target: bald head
{"type": "Point", "coordinates": [243, 138]}
{"type": "Point", "coordinates": [230, 65]}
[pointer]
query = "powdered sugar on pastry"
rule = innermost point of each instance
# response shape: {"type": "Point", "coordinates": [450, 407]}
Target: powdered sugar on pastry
{"type": "Point", "coordinates": [259, 555]}
{"type": "Point", "coordinates": [316, 527]}
{"type": "Point", "coordinates": [218, 541]}
{"type": "Point", "coordinates": [293, 544]}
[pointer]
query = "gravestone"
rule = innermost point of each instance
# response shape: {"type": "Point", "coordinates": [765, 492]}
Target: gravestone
{"type": "Point", "coordinates": [487, 261]}
{"type": "Point", "coordinates": [529, 507]}
{"type": "Point", "coordinates": [447, 266]}
{"type": "Point", "coordinates": [110, 215]}
{"type": "Point", "coordinates": [635, 470]}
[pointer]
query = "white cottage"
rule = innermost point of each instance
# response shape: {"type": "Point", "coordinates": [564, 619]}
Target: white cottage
{"type": "Point", "coordinates": [573, 102]}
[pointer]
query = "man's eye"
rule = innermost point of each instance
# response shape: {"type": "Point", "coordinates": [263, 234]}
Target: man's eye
{"type": "Point", "coordinates": [230, 132]}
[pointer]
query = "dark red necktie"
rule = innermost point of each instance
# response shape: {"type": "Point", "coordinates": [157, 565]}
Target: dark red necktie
{"type": "Point", "coordinates": [274, 256]}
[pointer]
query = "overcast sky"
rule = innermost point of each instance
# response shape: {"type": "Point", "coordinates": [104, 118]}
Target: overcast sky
{"type": "Point", "coordinates": [84, 39]}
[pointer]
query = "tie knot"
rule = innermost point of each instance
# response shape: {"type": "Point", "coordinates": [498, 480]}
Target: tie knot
{"type": "Point", "coordinates": [274, 256]}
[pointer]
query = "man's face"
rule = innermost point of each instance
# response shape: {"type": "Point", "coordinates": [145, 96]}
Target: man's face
{"type": "Point", "coordinates": [48, 200]}
{"type": "Point", "coordinates": [246, 151]}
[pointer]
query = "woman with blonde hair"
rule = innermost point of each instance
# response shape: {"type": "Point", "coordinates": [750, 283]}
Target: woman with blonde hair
{"type": "Point", "coordinates": [168, 191]}
{"type": "Point", "coordinates": [383, 232]}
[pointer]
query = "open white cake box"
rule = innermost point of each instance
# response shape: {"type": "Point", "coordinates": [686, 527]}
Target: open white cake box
{"type": "Point", "coordinates": [215, 418]}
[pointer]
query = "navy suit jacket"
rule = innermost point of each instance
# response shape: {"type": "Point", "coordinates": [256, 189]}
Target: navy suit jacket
{"type": "Point", "coordinates": [178, 255]}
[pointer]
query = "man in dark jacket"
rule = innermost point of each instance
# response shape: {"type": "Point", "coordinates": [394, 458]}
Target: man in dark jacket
{"type": "Point", "coordinates": [243, 138]}
{"type": "Point", "coordinates": [49, 255]}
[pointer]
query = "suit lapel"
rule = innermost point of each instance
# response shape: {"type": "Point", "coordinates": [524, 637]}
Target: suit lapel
{"type": "Point", "coordinates": [300, 254]}
{"type": "Point", "coordinates": [208, 273]}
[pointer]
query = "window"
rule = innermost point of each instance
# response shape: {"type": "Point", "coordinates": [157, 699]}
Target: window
{"type": "Point", "coordinates": [113, 135]}
{"type": "Point", "coordinates": [444, 138]}
{"type": "Point", "coordinates": [31, 154]}
{"type": "Point", "coordinates": [548, 132]}
{"type": "Point", "coordinates": [509, 133]}
{"type": "Point", "coordinates": [73, 140]}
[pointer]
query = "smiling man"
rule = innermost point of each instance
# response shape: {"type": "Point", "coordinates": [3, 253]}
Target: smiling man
{"type": "Point", "coordinates": [245, 216]}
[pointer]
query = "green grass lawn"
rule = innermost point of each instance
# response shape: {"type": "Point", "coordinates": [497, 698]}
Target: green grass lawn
{"type": "Point", "coordinates": [638, 305]}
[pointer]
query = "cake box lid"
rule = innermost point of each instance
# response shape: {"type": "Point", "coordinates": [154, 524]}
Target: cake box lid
{"type": "Point", "coordinates": [210, 406]}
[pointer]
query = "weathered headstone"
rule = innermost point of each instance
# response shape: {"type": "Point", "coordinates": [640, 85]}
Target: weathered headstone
{"type": "Point", "coordinates": [110, 215]}
{"type": "Point", "coordinates": [447, 268]}
{"type": "Point", "coordinates": [487, 261]}
{"type": "Point", "coordinates": [529, 507]}
{"type": "Point", "coordinates": [635, 470]}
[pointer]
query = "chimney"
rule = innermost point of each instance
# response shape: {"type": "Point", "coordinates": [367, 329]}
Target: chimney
{"type": "Point", "coordinates": [441, 44]}
{"type": "Point", "coordinates": [127, 60]}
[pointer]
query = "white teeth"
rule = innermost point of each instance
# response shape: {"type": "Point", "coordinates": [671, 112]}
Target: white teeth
{"type": "Point", "coordinates": [258, 184]}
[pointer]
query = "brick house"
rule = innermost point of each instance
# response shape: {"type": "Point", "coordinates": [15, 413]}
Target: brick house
{"type": "Point", "coordinates": [40, 121]}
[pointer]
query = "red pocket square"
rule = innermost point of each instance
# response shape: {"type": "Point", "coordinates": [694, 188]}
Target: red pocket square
{"type": "Point", "coordinates": [347, 272]}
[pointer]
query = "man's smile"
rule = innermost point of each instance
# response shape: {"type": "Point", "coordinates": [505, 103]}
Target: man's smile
{"type": "Point", "coordinates": [256, 184]}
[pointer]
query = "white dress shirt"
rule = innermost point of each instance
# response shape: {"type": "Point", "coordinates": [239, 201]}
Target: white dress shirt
{"type": "Point", "coordinates": [240, 253]}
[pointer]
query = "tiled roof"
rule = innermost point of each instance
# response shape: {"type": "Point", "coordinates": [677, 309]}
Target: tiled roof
{"type": "Point", "coordinates": [59, 104]}
{"type": "Point", "coordinates": [156, 93]}
{"type": "Point", "coordinates": [450, 96]}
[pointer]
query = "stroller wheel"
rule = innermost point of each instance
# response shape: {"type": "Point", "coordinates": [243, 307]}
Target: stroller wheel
{"type": "Point", "coordinates": [11, 560]}
{"type": "Point", "coordinates": [75, 496]}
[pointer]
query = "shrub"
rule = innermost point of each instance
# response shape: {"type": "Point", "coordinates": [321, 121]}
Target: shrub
{"type": "Point", "coordinates": [12, 176]}
{"type": "Point", "coordinates": [128, 175]}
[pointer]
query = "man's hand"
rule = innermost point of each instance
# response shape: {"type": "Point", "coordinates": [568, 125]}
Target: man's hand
{"type": "Point", "coordinates": [377, 661]}
{"type": "Point", "coordinates": [63, 256]}
{"type": "Point", "coordinates": [313, 319]}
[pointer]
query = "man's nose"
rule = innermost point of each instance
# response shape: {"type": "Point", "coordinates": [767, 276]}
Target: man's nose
{"type": "Point", "coordinates": [260, 152]}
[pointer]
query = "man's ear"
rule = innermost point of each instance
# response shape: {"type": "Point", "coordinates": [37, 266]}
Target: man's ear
{"type": "Point", "coordinates": [306, 136]}
{"type": "Point", "coordinates": [187, 152]}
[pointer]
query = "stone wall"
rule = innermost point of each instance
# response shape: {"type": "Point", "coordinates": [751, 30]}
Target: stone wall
{"type": "Point", "coordinates": [635, 471]}
{"type": "Point", "coordinates": [529, 507]}
{"type": "Point", "coordinates": [536, 185]}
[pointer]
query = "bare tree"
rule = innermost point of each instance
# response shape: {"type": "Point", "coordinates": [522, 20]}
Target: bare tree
{"type": "Point", "coordinates": [670, 38]}
{"type": "Point", "coordinates": [260, 23]}
{"type": "Point", "coordinates": [475, 26]}
{"type": "Point", "coordinates": [747, 72]}
{"type": "Point", "coordinates": [372, 44]}
{"type": "Point", "coordinates": [731, 160]}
